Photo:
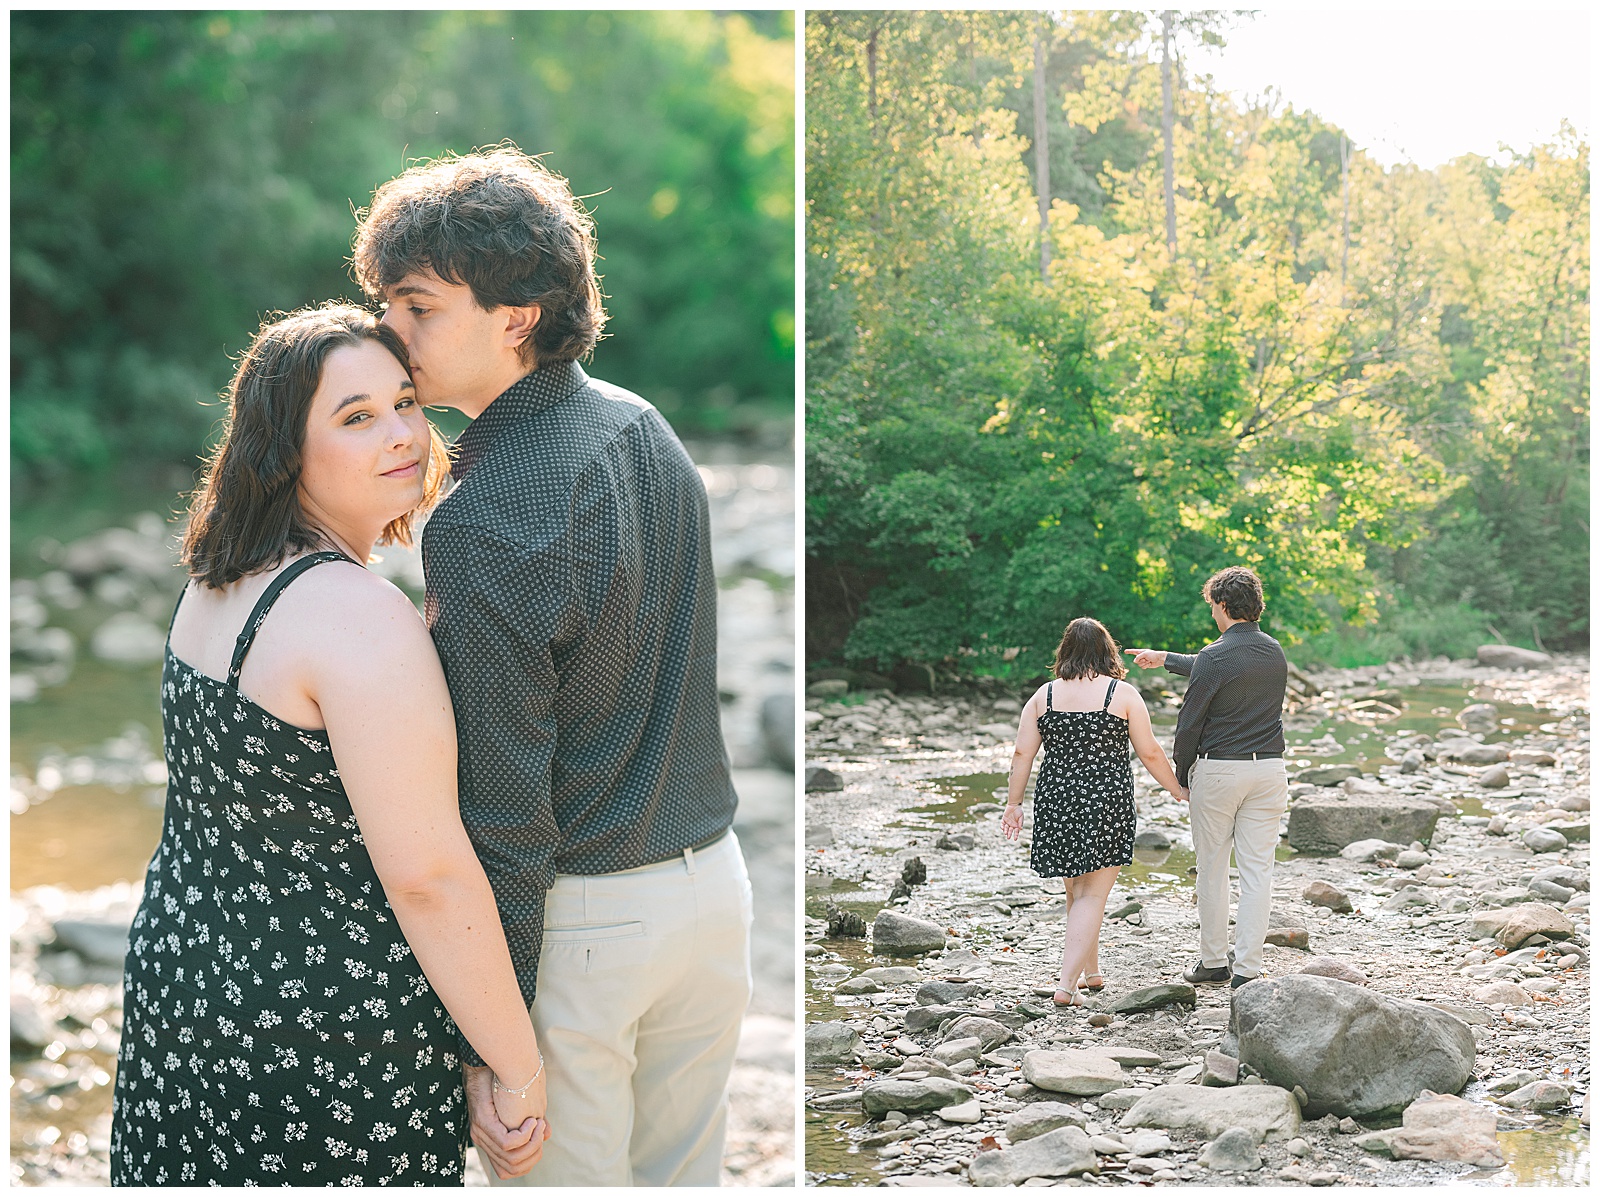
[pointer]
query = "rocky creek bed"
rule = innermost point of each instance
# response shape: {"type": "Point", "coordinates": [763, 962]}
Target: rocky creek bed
{"type": "Point", "coordinates": [1423, 1017]}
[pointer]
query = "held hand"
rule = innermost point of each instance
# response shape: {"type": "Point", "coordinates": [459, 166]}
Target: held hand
{"type": "Point", "coordinates": [1147, 658]}
{"type": "Point", "coordinates": [1183, 794]}
{"type": "Point", "coordinates": [1011, 822]}
{"type": "Point", "coordinates": [513, 1109]}
{"type": "Point", "coordinates": [512, 1152]}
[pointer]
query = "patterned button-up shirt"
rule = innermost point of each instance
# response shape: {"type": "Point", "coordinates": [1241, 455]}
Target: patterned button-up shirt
{"type": "Point", "coordinates": [571, 596]}
{"type": "Point", "coordinates": [1234, 704]}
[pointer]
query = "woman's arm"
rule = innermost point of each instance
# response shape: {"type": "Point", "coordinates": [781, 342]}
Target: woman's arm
{"type": "Point", "coordinates": [1021, 765]}
{"type": "Point", "coordinates": [1144, 742]}
{"type": "Point", "coordinates": [371, 668]}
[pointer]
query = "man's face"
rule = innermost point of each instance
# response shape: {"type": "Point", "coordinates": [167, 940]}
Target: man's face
{"type": "Point", "coordinates": [461, 355]}
{"type": "Point", "coordinates": [1218, 612]}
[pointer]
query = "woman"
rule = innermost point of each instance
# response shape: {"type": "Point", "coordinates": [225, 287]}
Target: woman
{"type": "Point", "coordinates": [1083, 816]}
{"type": "Point", "coordinates": [315, 926]}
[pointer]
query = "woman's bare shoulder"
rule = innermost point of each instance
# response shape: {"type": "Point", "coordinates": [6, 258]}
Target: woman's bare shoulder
{"type": "Point", "coordinates": [344, 609]}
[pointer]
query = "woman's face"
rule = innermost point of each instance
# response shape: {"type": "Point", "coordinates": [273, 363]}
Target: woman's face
{"type": "Point", "coordinates": [365, 458]}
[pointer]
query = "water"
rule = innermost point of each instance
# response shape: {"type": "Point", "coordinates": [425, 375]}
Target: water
{"type": "Point", "coordinates": [1556, 1154]}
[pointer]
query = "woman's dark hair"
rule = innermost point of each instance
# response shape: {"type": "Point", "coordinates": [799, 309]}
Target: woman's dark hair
{"type": "Point", "coordinates": [500, 222]}
{"type": "Point", "coordinates": [1238, 590]}
{"type": "Point", "coordinates": [246, 516]}
{"type": "Point", "coordinates": [1087, 649]}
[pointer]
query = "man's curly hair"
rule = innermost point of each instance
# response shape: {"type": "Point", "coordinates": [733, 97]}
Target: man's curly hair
{"type": "Point", "coordinates": [500, 222]}
{"type": "Point", "coordinates": [1238, 590]}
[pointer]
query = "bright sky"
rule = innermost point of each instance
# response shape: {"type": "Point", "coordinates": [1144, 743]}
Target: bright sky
{"type": "Point", "coordinates": [1423, 86]}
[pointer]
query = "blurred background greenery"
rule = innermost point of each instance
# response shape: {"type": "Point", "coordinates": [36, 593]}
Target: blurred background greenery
{"type": "Point", "coordinates": [177, 175]}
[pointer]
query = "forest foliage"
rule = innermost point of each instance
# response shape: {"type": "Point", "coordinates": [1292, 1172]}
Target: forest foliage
{"type": "Point", "coordinates": [1389, 424]}
{"type": "Point", "coordinates": [177, 175]}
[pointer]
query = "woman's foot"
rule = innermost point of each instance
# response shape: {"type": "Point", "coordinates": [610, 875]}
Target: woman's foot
{"type": "Point", "coordinates": [1094, 982]}
{"type": "Point", "coordinates": [1063, 998]}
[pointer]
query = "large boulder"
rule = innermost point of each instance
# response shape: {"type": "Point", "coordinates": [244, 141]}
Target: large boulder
{"type": "Point", "coordinates": [911, 1096]}
{"type": "Point", "coordinates": [1320, 823]}
{"type": "Point", "coordinates": [822, 780]}
{"type": "Point", "coordinates": [901, 935]}
{"type": "Point", "coordinates": [1355, 1053]}
{"type": "Point", "coordinates": [945, 993]}
{"type": "Point", "coordinates": [1154, 997]}
{"type": "Point", "coordinates": [1325, 893]}
{"type": "Point", "coordinates": [1438, 1126]}
{"type": "Point", "coordinates": [1068, 1070]}
{"type": "Point", "coordinates": [1509, 656]}
{"type": "Point", "coordinates": [1515, 925]}
{"type": "Point", "coordinates": [1267, 1111]}
{"type": "Point", "coordinates": [1232, 1151]}
{"type": "Point", "coordinates": [830, 1043]}
{"type": "Point", "coordinates": [1062, 1152]}
{"type": "Point", "coordinates": [986, 1031]}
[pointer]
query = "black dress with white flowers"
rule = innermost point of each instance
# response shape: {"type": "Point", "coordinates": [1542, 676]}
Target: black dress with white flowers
{"type": "Point", "coordinates": [276, 1027]}
{"type": "Point", "coordinates": [1083, 814]}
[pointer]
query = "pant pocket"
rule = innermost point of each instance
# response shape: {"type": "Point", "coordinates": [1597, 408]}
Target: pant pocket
{"type": "Point", "coordinates": [596, 947]}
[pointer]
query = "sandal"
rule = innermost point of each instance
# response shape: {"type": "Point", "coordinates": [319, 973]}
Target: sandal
{"type": "Point", "coordinates": [1073, 999]}
{"type": "Point", "coordinates": [1093, 982]}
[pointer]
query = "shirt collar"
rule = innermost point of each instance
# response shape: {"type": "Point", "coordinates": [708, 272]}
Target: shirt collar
{"type": "Point", "coordinates": [1247, 624]}
{"type": "Point", "coordinates": [532, 393]}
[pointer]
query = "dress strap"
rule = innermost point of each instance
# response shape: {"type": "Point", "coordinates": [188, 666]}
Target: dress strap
{"type": "Point", "coordinates": [1049, 690]}
{"type": "Point", "coordinates": [241, 646]}
{"type": "Point", "coordinates": [1110, 690]}
{"type": "Point", "coordinates": [175, 607]}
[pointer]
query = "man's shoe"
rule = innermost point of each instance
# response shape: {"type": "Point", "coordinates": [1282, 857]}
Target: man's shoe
{"type": "Point", "coordinates": [1201, 975]}
{"type": "Point", "coordinates": [1240, 979]}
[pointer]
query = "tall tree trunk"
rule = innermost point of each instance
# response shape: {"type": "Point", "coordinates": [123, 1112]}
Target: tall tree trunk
{"type": "Point", "coordinates": [1344, 180]}
{"type": "Point", "coordinates": [1041, 147]}
{"type": "Point", "coordinates": [872, 76]}
{"type": "Point", "coordinates": [1166, 134]}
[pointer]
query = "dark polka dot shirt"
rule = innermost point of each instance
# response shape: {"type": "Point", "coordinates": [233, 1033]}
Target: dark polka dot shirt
{"type": "Point", "coordinates": [571, 596]}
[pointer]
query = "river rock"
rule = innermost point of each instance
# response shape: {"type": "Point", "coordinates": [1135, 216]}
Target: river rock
{"type": "Point", "coordinates": [1287, 930]}
{"type": "Point", "coordinates": [1542, 839]}
{"type": "Point", "coordinates": [120, 550]}
{"type": "Point", "coordinates": [1540, 1095]}
{"type": "Point", "coordinates": [1508, 656]}
{"type": "Point", "coordinates": [1062, 1152]}
{"type": "Point", "coordinates": [1270, 1112]}
{"type": "Point", "coordinates": [1339, 970]}
{"type": "Point", "coordinates": [830, 1043]}
{"type": "Point", "coordinates": [1068, 1070]}
{"type": "Point", "coordinates": [1411, 859]}
{"type": "Point", "coordinates": [901, 1093]}
{"type": "Point", "coordinates": [967, 1112]}
{"type": "Point", "coordinates": [1438, 1126]}
{"type": "Point", "coordinates": [777, 728]}
{"type": "Point", "coordinates": [945, 993]}
{"type": "Point", "coordinates": [99, 941]}
{"type": "Point", "coordinates": [1232, 1151]}
{"type": "Point", "coordinates": [1041, 1117]}
{"type": "Point", "coordinates": [1502, 993]}
{"type": "Point", "coordinates": [1327, 775]}
{"type": "Point", "coordinates": [920, 1018]}
{"type": "Point", "coordinates": [821, 780]}
{"type": "Point", "coordinates": [1564, 875]}
{"type": "Point", "coordinates": [1515, 925]}
{"type": "Point", "coordinates": [1323, 893]}
{"type": "Point", "coordinates": [954, 1051]}
{"type": "Point", "coordinates": [858, 985]}
{"type": "Point", "coordinates": [901, 935]}
{"type": "Point", "coordinates": [1495, 777]}
{"type": "Point", "coordinates": [1219, 1070]}
{"type": "Point", "coordinates": [128, 639]}
{"type": "Point", "coordinates": [1327, 824]}
{"type": "Point", "coordinates": [1479, 716]}
{"type": "Point", "coordinates": [818, 835]}
{"type": "Point", "coordinates": [1412, 761]}
{"type": "Point", "coordinates": [1354, 1052]}
{"type": "Point", "coordinates": [1573, 833]}
{"type": "Point", "coordinates": [1154, 997]}
{"type": "Point", "coordinates": [1148, 1143]}
{"type": "Point", "coordinates": [986, 1031]}
{"type": "Point", "coordinates": [1369, 850]}
{"type": "Point", "coordinates": [1120, 1099]}
{"type": "Point", "coordinates": [1153, 838]}
{"type": "Point", "coordinates": [30, 1025]}
{"type": "Point", "coordinates": [1470, 752]}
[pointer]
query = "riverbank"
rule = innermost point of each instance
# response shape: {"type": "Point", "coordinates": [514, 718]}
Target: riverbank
{"type": "Point", "coordinates": [923, 777]}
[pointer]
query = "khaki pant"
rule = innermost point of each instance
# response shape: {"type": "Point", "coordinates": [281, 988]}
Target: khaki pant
{"type": "Point", "coordinates": [1235, 805]}
{"type": "Point", "coordinates": [642, 986]}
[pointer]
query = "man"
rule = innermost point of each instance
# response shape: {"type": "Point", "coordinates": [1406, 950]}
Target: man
{"type": "Point", "coordinates": [571, 596]}
{"type": "Point", "coordinates": [1228, 751]}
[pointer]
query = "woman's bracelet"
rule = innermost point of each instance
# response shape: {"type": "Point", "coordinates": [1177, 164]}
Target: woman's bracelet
{"type": "Point", "coordinates": [522, 1092]}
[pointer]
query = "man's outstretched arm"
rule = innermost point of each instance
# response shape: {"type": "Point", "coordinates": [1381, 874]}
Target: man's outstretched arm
{"type": "Point", "coordinates": [1156, 658]}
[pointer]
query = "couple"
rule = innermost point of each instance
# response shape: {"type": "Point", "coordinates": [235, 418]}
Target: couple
{"type": "Point", "coordinates": [387, 837]}
{"type": "Point", "coordinates": [1229, 753]}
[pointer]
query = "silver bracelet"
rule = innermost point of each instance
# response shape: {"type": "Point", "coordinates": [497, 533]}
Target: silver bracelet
{"type": "Point", "coordinates": [522, 1092]}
